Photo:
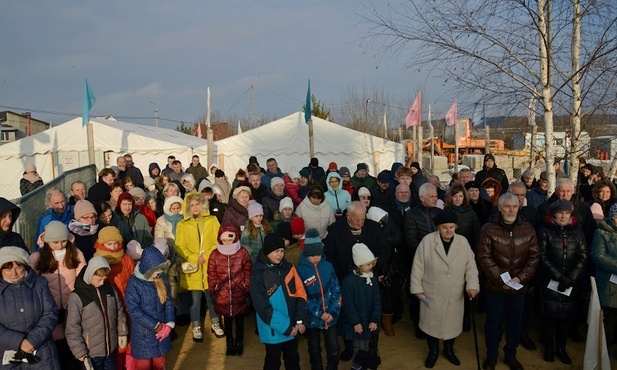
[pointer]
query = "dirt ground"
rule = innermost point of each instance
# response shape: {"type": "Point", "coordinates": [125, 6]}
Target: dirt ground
{"type": "Point", "coordinates": [402, 351]}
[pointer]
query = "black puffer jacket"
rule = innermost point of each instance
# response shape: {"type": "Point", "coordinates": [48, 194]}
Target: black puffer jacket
{"type": "Point", "coordinates": [562, 258]}
{"type": "Point", "coordinates": [468, 224]}
{"type": "Point", "coordinates": [418, 224]}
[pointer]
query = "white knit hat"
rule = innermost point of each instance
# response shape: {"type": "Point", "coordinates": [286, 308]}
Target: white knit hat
{"type": "Point", "coordinates": [361, 254]}
{"type": "Point", "coordinates": [13, 254]}
{"type": "Point", "coordinates": [275, 181]}
{"type": "Point", "coordinates": [286, 203]}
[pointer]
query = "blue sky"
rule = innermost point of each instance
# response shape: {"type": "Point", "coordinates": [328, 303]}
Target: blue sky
{"type": "Point", "coordinates": [137, 52]}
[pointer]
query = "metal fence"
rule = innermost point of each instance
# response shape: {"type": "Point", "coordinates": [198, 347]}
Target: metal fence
{"type": "Point", "coordinates": [33, 204]}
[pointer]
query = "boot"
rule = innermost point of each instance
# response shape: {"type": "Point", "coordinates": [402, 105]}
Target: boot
{"type": "Point", "coordinates": [231, 351]}
{"type": "Point", "coordinates": [386, 324]}
{"type": "Point", "coordinates": [239, 347]}
{"type": "Point", "coordinates": [448, 351]}
{"type": "Point", "coordinates": [433, 351]}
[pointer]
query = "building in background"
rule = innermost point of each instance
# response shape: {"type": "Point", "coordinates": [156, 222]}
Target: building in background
{"type": "Point", "coordinates": [15, 126]}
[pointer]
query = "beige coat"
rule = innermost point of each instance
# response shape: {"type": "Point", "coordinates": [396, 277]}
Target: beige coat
{"type": "Point", "coordinates": [442, 279]}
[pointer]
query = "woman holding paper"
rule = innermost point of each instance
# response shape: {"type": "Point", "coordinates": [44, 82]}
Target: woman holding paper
{"type": "Point", "coordinates": [443, 264]}
{"type": "Point", "coordinates": [562, 260]}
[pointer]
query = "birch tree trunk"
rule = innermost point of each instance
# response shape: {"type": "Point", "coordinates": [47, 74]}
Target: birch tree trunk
{"type": "Point", "coordinates": [576, 90]}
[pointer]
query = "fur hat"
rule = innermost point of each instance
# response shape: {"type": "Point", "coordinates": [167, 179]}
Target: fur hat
{"type": "Point", "coordinates": [109, 234]}
{"type": "Point", "coordinates": [276, 181]}
{"type": "Point", "coordinates": [82, 208]}
{"type": "Point", "coordinates": [137, 192]}
{"type": "Point", "coordinates": [239, 189]}
{"type": "Point", "coordinates": [286, 203]}
{"type": "Point", "coordinates": [361, 254]}
{"type": "Point", "coordinates": [313, 245]}
{"type": "Point", "coordinates": [255, 209]}
{"type": "Point", "coordinates": [56, 231]}
{"type": "Point", "coordinates": [376, 214]}
{"type": "Point", "coordinates": [13, 254]}
{"type": "Point", "coordinates": [560, 205]}
{"type": "Point", "coordinates": [169, 201]}
{"type": "Point", "coordinates": [297, 226]}
{"type": "Point", "coordinates": [272, 242]}
{"type": "Point", "coordinates": [344, 171]}
{"type": "Point", "coordinates": [94, 264]}
{"type": "Point", "coordinates": [445, 217]}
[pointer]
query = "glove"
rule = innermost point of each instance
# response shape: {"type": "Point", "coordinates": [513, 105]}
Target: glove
{"type": "Point", "coordinates": [19, 357]}
{"type": "Point", "coordinates": [32, 358]}
{"type": "Point", "coordinates": [164, 333]}
{"type": "Point", "coordinates": [88, 363]}
{"type": "Point", "coordinates": [122, 341]}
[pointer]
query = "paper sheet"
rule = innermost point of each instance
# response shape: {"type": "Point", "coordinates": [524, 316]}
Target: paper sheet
{"type": "Point", "coordinates": [554, 285]}
{"type": "Point", "coordinates": [505, 277]}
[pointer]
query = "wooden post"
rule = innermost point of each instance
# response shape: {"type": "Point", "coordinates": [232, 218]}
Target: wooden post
{"type": "Point", "coordinates": [455, 145]}
{"type": "Point", "coordinates": [432, 149]}
{"type": "Point", "coordinates": [420, 145]}
{"type": "Point", "coordinates": [311, 142]}
{"type": "Point", "coordinates": [487, 139]}
{"type": "Point", "coordinates": [414, 139]}
{"type": "Point", "coordinates": [90, 133]}
{"type": "Point", "coordinates": [210, 135]}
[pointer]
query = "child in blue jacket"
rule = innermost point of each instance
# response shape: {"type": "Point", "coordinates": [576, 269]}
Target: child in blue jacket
{"type": "Point", "coordinates": [323, 301]}
{"type": "Point", "coordinates": [279, 300]}
{"type": "Point", "coordinates": [361, 306]}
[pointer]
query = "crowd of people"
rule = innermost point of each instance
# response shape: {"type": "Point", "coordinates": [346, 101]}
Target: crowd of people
{"type": "Point", "coordinates": [320, 253]}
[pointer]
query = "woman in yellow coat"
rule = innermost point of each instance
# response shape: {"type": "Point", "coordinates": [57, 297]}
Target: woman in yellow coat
{"type": "Point", "coordinates": [196, 237]}
{"type": "Point", "coordinates": [443, 268]}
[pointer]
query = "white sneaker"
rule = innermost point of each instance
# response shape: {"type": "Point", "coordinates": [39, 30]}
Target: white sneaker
{"type": "Point", "coordinates": [217, 330]}
{"type": "Point", "coordinates": [197, 336]}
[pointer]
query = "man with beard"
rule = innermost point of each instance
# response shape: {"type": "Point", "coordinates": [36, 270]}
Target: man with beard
{"type": "Point", "coordinates": [258, 189]}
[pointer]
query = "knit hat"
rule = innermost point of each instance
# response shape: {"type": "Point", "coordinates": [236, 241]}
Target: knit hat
{"type": "Point", "coordinates": [312, 243]}
{"type": "Point", "coordinates": [255, 209]}
{"type": "Point", "coordinates": [416, 165]}
{"type": "Point", "coordinates": [384, 177]}
{"type": "Point", "coordinates": [82, 208]}
{"type": "Point", "coordinates": [253, 159]}
{"type": "Point", "coordinates": [364, 191]}
{"type": "Point", "coordinates": [612, 213]}
{"type": "Point", "coordinates": [314, 162]}
{"type": "Point", "coordinates": [13, 254]}
{"type": "Point", "coordinates": [344, 171]}
{"type": "Point", "coordinates": [239, 189]}
{"type": "Point", "coordinates": [204, 183]}
{"type": "Point", "coordinates": [149, 183]}
{"type": "Point", "coordinates": [286, 203]}
{"type": "Point", "coordinates": [219, 173]}
{"type": "Point", "coordinates": [293, 174]}
{"type": "Point", "coordinates": [276, 181]}
{"type": "Point", "coordinates": [376, 214]}
{"type": "Point", "coordinates": [361, 254]}
{"type": "Point", "coordinates": [161, 244]}
{"type": "Point", "coordinates": [489, 156]}
{"type": "Point", "coordinates": [445, 217]}
{"type": "Point", "coordinates": [472, 185]}
{"type": "Point", "coordinates": [297, 226]}
{"type": "Point", "coordinates": [272, 242]}
{"type": "Point", "coordinates": [109, 234]}
{"type": "Point", "coordinates": [332, 166]}
{"type": "Point", "coordinates": [228, 228]}
{"type": "Point", "coordinates": [56, 231]}
{"type": "Point", "coordinates": [94, 264]}
{"type": "Point", "coordinates": [560, 205]}
{"type": "Point", "coordinates": [134, 250]}
{"type": "Point", "coordinates": [305, 173]}
{"type": "Point", "coordinates": [137, 192]}
{"type": "Point", "coordinates": [361, 166]}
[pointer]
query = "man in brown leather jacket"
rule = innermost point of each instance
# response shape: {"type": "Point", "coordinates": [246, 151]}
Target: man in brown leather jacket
{"type": "Point", "coordinates": [507, 244]}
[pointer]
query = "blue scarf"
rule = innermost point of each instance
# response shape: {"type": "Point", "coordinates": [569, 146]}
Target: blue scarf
{"type": "Point", "coordinates": [173, 220]}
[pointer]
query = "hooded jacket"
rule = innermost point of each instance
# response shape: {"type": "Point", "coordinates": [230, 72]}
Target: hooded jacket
{"type": "Point", "coordinates": [323, 292]}
{"type": "Point", "coordinates": [121, 264]}
{"type": "Point", "coordinates": [604, 253]}
{"type": "Point", "coordinates": [278, 297]}
{"type": "Point", "coordinates": [338, 199]}
{"type": "Point", "coordinates": [164, 225]}
{"type": "Point", "coordinates": [271, 203]}
{"type": "Point", "coordinates": [11, 238]}
{"type": "Point", "coordinates": [316, 217]}
{"type": "Point", "coordinates": [493, 172]}
{"type": "Point", "coordinates": [151, 168]}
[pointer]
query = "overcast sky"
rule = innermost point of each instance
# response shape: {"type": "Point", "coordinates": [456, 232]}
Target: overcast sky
{"type": "Point", "coordinates": [140, 54]}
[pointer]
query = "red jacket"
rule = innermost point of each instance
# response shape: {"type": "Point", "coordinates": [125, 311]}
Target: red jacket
{"type": "Point", "coordinates": [292, 190]}
{"type": "Point", "coordinates": [228, 279]}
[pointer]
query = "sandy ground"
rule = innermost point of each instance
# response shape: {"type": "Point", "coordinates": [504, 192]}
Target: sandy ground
{"type": "Point", "coordinates": [402, 351]}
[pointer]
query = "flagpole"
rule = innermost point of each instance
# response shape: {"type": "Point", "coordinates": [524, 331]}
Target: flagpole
{"type": "Point", "coordinates": [209, 134]}
{"type": "Point", "coordinates": [455, 145]}
{"type": "Point", "coordinates": [90, 133]}
{"type": "Point", "coordinates": [432, 133]}
{"type": "Point", "coordinates": [88, 102]}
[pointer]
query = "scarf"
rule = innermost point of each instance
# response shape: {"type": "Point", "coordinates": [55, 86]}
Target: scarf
{"type": "Point", "coordinates": [173, 220]}
{"type": "Point", "coordinates": [456, 209]}
{"type": "Point", "coordinates": [368, 276]}
{"type": "Point", "coordinates": [230, 249]}
{"type": "Point", "coordinates": [81, 229]}
{"type": "Point", "coordinates": [112, 256]}
{"type": "Point", "coordinates": [402, 206]}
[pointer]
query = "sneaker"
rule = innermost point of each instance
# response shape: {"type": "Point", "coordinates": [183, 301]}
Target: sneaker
{"type": "Point", "coordinates": [197, 336]}
{"type": "Point", "coordinates": [217, 330]}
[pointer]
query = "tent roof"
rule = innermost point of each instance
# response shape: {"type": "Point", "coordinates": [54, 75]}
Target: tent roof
{"type": "Point", "coordinates": [109, 135]}
{"type": "Point", "coordinates": [289, 135]}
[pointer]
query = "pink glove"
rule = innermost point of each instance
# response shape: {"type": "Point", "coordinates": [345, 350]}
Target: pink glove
{"type": "Point", "coordinates": [164, 333]}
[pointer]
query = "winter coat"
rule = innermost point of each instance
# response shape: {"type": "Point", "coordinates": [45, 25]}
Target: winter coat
{"type": "Point", "coordinates": [361, 305]}
{"type": "Point", "coordinates": [418, 224]}
{"type": "Point", "coordinates": [562, 258]}
{"type": "Point", "coordinates": [484, 209]}
{"type": "Point", "coordinates": [278, 298]}
{"type": "Point", "coordinates": [49, 215]}
{"type": "Point", "coordinates": [138, 227]}
{"type": "Point", "coordinates": [323, 292]}
{"type": "Point", "coordinates": [259, 193]}
{"type": "Point", "coordinates": [28, 311]}
{"type": "Point", "coordinates": [339, 242]}
{"type": "Point", "coordinates": [99, 192]}
{"type": "Point", "coordinates": [441, 278]}
{"type": "Point", "coordinates": [270, 204]}
{"type": "Point", "coordinates": [494, 173]}
{"type": "Point", "coordinates": [382, 198]}
{"type": "Point", "coordinates": [369, 181]}
{"type": "Point", "coordinates": [229, 281]}
{"type": "Point", "coordinates": [11, 238]}
{"type": "Point", "coordinates": [507, 248]}
{"type": "Point", "coordinates": [535, 197]}
{"type": "Point", "coordinates": [267, 177]}
{"type": "Point", "coordinates": [146, 310]}
{"type": "Point", "coordinates": [121, 269]}
{"type": "Point", "coordinates": [338, 199]}
{"type": "Point", "coordinates": [236, 215]}
{"type": "Point", "coordinates": [196, 237]}
{"type": "Point", "coordinates": [199, 172]}
{"type": "Point", "coordinates": [317, 217]}
{"type": "Point", "coordinates": [293, 191]}
{"type": "Point", "coordinates": [135, 174]}
{"type": "Point", "coordinates": [26, 186]}
{"type": "Point", "coordinates": [95, 319]}
{"type": "Point", "coordinates": [61, 283]}
{"type": "Point", "coordinates": [164, 228]}
{"type": "Point", "coordinates": [85, 242]}
{"type": "Point", "coordinates": [252, 245]}
{"type": "Point", "coordinates": [225, 187]}
{"type": "Point", "coordinates": [467, 224]}
{"type": "Point", "coordinates": [217, 209]}
{"type": "Point", "coordinates": [581, 212]}
{"type": "Point", "coordinates": [604, 253]}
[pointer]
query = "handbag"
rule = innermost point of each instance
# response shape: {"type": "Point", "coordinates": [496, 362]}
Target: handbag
{"type": "Point", "coordinates": [189, 268]}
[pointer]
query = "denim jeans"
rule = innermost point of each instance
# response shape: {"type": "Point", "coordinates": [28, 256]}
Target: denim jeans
{"type": "Point", "coordinates": [500, 307]}
{"type": "Point", "coordinates": [105, 363]}
{"type": "Point", "coordinates": [196, 307]}
{"type": "Point", "coordinates": [314, 348]}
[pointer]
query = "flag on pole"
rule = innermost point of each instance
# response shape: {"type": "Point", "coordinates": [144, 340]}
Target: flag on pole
{"type": "Point", "coordinates": [88, 102]}
{"type": "Point", "coordinates": [414, 117]}
{"type": "Point", "coordinates": [478, 114]}
{"type": "Point", "coordinates": [596, 352]}
{"type": "Point", "coordinates": [307, 108]}
{"type": "Point", "coordinates": [451, 115]}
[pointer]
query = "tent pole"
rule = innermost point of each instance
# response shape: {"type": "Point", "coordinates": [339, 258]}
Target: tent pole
{"type": "Point", "coordinates": [90, 133]}
{"type": "Point", "coordinates": [210, 136]}
{"type": "Point", "coordinates": [311, 142]}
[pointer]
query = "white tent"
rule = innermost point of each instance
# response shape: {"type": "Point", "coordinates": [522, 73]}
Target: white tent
{"type": "Point", "coordinates": [287, 140]}
{"type": "Point", "coordinates": [65, 147]}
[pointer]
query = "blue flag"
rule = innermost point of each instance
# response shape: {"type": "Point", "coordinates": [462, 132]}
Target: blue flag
{"type": "Point", "coordinates": [89, 101]}
{"type": "Point", "coordinates": [307, 109]}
